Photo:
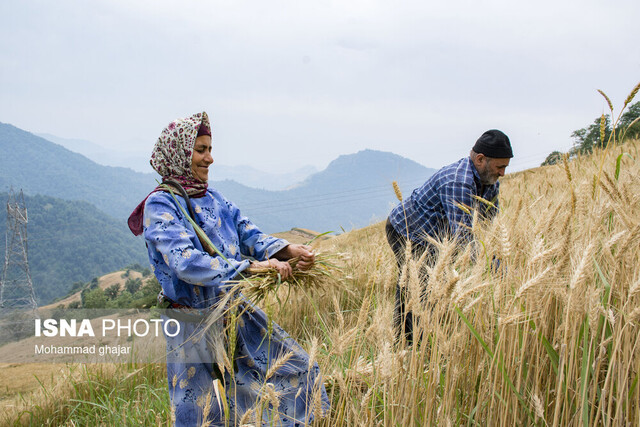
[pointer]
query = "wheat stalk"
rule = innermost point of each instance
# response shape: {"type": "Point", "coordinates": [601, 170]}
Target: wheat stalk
{"type": "Point", "coordinates": [263, 282]}
{"type": "Point", "coordinates": [396, 189]}
{"type": "Point", "coordinates": [278, 363]}
{"type": "Point", "coordinates": [313, 352]}
{"type": "Point", "coordinates": [607, 98]}
{"type": "Point", "coordinates": [632, 94]}
{"type": "Point", "coordinates": [603, 124]}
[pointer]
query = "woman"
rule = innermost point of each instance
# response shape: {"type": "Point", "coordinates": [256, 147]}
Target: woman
{"type": "Point", "coordinates": [256, 388]}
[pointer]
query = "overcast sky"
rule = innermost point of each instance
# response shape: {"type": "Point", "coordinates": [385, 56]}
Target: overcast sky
{"type": "Point", "coordinates": [289, 83]}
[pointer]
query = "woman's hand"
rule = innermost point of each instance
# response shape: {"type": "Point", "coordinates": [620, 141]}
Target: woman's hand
{"type": "Point", "coordinates": [303, 252]}
{"type": "Point", "coordinates": [283, 267]}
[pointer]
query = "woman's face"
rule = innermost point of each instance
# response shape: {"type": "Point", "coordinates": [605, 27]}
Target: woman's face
{"type": "Point", "coordinates": [201, 158]}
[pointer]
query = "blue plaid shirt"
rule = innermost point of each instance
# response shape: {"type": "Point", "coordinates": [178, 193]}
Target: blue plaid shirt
{"type": "Point", "coordinates": [434, 209]}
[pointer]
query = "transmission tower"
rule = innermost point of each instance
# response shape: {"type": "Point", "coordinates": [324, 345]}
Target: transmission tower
{"type": "Point", "coordinates": [16, 289]}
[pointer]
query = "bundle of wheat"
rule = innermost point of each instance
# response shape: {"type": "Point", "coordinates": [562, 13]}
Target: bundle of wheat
{"type": "Point", "coordinates": [262, 282]}
{"type": "Point", "coordinates": [261, 286]}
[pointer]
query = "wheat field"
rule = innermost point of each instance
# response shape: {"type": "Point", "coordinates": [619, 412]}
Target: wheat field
{"type": "Point", "coordinates": [546, 336]}
{"type": "Point", "coordinates": [536, 324]}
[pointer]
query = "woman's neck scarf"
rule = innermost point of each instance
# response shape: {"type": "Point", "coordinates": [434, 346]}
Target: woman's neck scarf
{"type": "Point", "coordinates": [171, 158]}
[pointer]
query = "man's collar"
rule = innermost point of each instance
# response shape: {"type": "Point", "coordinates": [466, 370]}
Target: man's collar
{"type": "Point", "coordinates": [476, 174]}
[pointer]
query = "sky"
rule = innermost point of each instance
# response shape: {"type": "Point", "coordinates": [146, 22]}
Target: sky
{"type": "Point", "coordinates": [289, 83]}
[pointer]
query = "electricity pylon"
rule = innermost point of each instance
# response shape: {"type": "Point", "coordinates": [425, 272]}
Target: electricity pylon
{"type": "Point", "coordinates": [16, 289]}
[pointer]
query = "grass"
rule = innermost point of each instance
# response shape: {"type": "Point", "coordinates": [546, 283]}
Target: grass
{"type": "Point", "coordinates": [547, 336]}
{"type": "Point", "coordinates": [102, 394]}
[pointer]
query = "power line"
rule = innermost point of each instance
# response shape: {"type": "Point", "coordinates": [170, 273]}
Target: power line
{"type": "Point", "coordinates": [333, 196]}
{"type": "Point", "coordinates": [269, 209]}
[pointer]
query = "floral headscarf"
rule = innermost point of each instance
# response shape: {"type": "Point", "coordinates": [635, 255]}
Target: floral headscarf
{"type": "Point", "coordinates": [171, 156]}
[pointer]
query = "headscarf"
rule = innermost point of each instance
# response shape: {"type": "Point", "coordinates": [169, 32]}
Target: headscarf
{"type": "Point", "coordinates": [171, 158]}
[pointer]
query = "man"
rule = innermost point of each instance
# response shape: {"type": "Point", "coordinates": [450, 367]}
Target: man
{"type": "Point", "coordinates": [435, 208]}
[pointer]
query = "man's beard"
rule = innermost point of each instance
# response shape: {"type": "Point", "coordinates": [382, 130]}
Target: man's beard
{"type": "Point", "coordinates": [486, 178]}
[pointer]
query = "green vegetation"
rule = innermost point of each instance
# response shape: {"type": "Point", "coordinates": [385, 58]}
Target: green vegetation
{"type": "Point", "coordinates": [136, 294]}
{"type": "Point", "coordinates": [70, 242]}
{"type": "Point", "coordinates": [103, 394]}
{"type": "Point", "coordinates": [590, 137]}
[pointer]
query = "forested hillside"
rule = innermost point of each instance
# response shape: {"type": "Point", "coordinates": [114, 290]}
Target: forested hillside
{"type": "Point", "coordinates": [39, 166]}
{"type": "Point", "coordinates": [71, 241]}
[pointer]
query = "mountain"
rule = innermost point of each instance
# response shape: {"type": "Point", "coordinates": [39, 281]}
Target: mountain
{"type": "Point", "coordinates": [138, 160]}
{"type": "Point", "coordinates": [252, 177]}
{"type": "Point", "coordinates": [354, 190]}
{"type": "Point", "coordinates": [72, 241]}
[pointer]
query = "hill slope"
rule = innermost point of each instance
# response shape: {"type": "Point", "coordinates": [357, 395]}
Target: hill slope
{"type": "Point", "coordinates": [39, 166]}
{"type": "Point", "coordinates": [71, 242]}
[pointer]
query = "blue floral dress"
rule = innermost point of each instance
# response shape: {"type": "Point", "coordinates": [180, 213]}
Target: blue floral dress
{"type": "Point", "coordinates": [291, 395]}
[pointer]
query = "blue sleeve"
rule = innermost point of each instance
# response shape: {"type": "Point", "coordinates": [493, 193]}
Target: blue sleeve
{"type": "Point", "coordinates": [166, 232]}
{"type": "Point", "coordinates": [254, 242]}
{"type": "Point", "coordinates": [454, 195]}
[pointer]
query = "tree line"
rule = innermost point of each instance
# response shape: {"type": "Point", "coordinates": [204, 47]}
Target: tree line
{"type": "Point", "coordinates": [600, 133]}
{"type": "Point", "coordinates": [136, 293]}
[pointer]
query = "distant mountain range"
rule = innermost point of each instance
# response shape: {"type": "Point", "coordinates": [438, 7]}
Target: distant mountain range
{"type": "Point", "coordinates": [138, 160]}
{"type": "Point", "coordinates": [78, 208]}
{"type": "Point", "coordinates": [354, 190]}
{"type": "Point", "coordinates": [252, 177]}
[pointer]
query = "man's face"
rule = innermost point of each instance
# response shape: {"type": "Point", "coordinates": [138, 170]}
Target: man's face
{"type": "Point", "coordinates": [490, 169]}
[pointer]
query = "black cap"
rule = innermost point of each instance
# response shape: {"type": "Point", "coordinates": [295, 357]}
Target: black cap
{"type": "Point", "coordinates": [494, 143]}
